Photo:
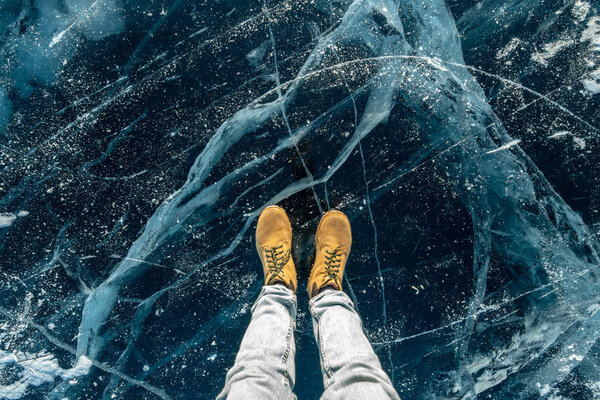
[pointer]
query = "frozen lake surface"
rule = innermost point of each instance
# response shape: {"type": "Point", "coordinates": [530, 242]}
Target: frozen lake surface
{"type": "Point", "coordinates": [140, 140]}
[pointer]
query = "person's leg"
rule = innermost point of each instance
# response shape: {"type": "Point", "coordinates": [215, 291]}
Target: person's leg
{"type": "Point", "coordinates": [264, 367]}
{"type": "Point", "coordinates": [351, 370]}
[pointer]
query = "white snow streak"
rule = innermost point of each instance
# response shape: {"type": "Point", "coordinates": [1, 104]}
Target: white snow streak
{"type": "Point", "coordinates": [505, 146]}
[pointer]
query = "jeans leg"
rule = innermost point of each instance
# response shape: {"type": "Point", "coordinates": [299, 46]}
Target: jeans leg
{"type": "Point", "coordinates": [351, 370]}
{"type": "Point", "coordinates": [264, 367]}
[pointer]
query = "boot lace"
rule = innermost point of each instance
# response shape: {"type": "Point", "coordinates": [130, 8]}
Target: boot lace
{"type": "Point", "coordinates": [276, 259]}
{"type": "Point", "coordinates": [333, 262]}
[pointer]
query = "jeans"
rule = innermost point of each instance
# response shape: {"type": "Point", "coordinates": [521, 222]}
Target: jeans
{"type": "Point", "coordinates": [265, 369]}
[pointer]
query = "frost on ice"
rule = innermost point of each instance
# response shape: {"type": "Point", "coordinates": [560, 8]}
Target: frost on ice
{"type": "Point", "coordinates": [143, 139]}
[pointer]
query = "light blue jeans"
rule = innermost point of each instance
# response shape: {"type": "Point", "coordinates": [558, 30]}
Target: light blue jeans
{"type": "Point", "coordinates": [265, 369]}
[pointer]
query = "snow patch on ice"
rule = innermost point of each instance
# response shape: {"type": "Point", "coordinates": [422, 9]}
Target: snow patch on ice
{"type": "Point", "coordinates": [509, 48]}
{"type": "Point", "coordinates": [595, 388]}
{"type": "Point", "coordinates": [592, 85]}
{"type": "Point", "coordinates": [505, 146]}
{"type": "Point", "coordinates": [550, 50]}
{"type": "Point", "coordinates": [7, 220]}
{"type": "Point", "coordinates": [581, 9]}
{"type": "Point", "coordinates": [592, 35]}
{"type": "Point", "coordinates": [559, 134]}
{"type": "Point", "coordinates": [57, 38]}
{"type": "Point", "coordinates": [579, 142]}
{"type": "Point", "coordinates": [37, 369]}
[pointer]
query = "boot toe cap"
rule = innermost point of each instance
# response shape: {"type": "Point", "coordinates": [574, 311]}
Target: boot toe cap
{"type": "Point", "coordinates": [334, 229]}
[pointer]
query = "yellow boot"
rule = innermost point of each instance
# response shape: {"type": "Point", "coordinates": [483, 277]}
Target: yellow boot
{"type": "Point", "coordinates": [274, 246]}
{"type": "Point", "coordinates": [332, 247]}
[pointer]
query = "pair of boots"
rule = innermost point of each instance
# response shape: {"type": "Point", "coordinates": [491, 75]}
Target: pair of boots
{"type": "Point", "coordinates": [332, 246]}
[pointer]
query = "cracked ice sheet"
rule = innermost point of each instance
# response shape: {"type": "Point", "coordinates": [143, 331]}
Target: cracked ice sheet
{"type": "Point", "coordinates": [132, 175]}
